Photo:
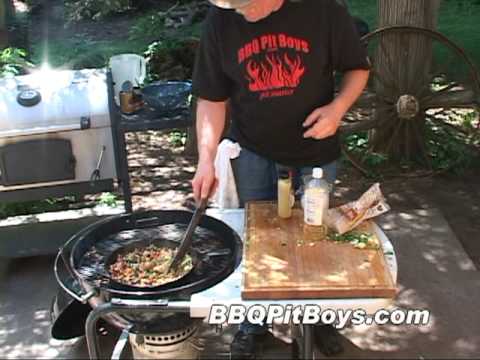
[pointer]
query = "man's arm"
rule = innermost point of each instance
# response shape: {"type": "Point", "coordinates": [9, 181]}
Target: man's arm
{"type": "Point", "coordinates": [210, 124]}
{"type": "Point", "coordinates": [325, 121]}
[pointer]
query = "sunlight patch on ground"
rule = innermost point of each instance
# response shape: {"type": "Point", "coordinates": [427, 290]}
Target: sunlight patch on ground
{"type": "Point", "coordinates": [20, 6]}
{"type": "Point", "coordinates": [30, 340]}
{"type": "Point", "coordinates": [463, 346]}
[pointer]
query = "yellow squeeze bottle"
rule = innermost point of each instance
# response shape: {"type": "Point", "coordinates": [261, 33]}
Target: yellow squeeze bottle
{"type": "Point", "coordinates": [284, 195]}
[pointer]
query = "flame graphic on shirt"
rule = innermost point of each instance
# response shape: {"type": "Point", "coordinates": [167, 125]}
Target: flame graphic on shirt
{"type": "Point", "coordinates": [275, 73]}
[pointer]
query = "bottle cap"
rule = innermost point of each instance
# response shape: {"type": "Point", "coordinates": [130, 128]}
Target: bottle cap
{"type": "Point", "coordinates": [284, 175]}
{"type": "Point", "coordinates": [317, 173]}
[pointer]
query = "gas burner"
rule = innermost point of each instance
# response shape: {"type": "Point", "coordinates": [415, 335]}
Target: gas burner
{"type": "Point", "coordinates": [175, 340]}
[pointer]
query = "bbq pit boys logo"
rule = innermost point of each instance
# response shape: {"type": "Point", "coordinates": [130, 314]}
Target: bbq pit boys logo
{"type": "Point", "coordinates": [273, 64]}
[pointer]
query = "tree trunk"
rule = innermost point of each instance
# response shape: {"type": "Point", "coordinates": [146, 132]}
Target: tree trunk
{"type": "Point", "coordinates": [419, 13]}
{"type": "Point", "coordinates": [404, 59]}
{"type": "Point", "coordinates": [3, 25]}
{"type": "Point", "coordinates": [7, 13]}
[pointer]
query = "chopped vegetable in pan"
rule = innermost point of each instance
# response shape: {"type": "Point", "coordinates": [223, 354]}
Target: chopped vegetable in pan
{"type": "Point", "coordinates": [148, 267]}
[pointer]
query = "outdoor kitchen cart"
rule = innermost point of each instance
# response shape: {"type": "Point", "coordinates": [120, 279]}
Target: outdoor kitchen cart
{"type": "Point", "coordinates": [146, 119]}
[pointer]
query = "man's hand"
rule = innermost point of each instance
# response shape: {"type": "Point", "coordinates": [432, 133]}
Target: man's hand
{"type": "Point", "coordinates": [204, 183]}
{"type": "Point", "coordinates": [323, 122]}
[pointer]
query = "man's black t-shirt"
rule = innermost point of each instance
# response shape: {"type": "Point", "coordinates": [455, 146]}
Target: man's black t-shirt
{"type": "Point", "coordinates": [276, 72]}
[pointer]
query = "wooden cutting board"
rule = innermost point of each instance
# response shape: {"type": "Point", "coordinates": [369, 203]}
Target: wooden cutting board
{"type": "Point", "coordinates": [284, 260]}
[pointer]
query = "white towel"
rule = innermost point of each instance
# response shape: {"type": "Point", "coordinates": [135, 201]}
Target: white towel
{"type": "Point", "coordinates": [226, 196]}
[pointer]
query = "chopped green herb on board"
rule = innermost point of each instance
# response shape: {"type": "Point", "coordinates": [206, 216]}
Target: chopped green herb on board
{"type": "Point", "coordinates": [360, 240]}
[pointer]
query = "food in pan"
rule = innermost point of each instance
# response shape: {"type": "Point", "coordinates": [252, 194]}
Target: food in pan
{"type": "Point", "coordinates": [148, 267]}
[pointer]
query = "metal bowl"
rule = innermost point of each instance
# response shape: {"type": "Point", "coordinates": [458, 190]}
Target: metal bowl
{"type": "Point", "coordinates": [168, 97]}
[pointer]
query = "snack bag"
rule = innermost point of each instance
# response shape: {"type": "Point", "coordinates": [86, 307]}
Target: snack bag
{"type": "Point", "coordinates": [347, 217]}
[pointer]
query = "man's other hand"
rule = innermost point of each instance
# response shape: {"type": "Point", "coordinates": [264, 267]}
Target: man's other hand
{"type": "Point", "coordinates": [323, 122]}
{"type": "Point", "coordinates": [204, 183]}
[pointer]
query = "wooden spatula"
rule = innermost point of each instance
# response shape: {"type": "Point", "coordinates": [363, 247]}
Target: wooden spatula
{"type": "Point", "coordinates": [188, 237]}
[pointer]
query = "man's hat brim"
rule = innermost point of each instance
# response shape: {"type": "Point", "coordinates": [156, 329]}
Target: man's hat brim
{"type": "Point", "coordinates": [230, 4]}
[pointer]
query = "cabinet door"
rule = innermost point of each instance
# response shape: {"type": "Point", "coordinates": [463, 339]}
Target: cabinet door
{"type": "Point", "coordinates": [37, 161]}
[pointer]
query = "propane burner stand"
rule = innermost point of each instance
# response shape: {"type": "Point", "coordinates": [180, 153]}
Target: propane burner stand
{"type": "Point", "coordinates": [135, 307]}
{"type": "Point", "coordinates": [127, 308]}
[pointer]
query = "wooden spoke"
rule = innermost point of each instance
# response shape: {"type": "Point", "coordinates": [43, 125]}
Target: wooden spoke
{"type": "Point", "coordinates": [392, 139]}
{"type": "Point", "coordinates": [405, 146]}
{"type": "Point", "coordinates": [423, 146]}
{"type": "Point", "coordinates": [373, 103]}
{"type": "Point", "coordinates": [358, 126]}
{"type": "Point", "coordinates": [448, 126]}
{"type": "Point", "coordinates": [451, 99]}
{"type": "Point", "coordinates": [387, 85]}
{"type": "Point", "coordinates": [435, 73]}
{"type": "Point", "coordinates": [435, 94]}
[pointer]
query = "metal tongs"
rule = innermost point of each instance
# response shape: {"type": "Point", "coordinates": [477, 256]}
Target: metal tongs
{"type": "Point", "coordinates": [188, 237]}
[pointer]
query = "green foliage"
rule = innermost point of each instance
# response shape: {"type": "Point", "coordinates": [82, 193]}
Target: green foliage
{"type": "Point", "coordinates": [13, 62]}
{"type": "Point", "coordinates": [149, 26]}
{"type": "Point", "coordinates": [53, 204]}
{"type": "Point", "coordinates": [177, 138]}
{"type": "Point", "coordinates": [358, 144]}
{"type": "Point", "coordinates": [94, 9]}
{"type": "Point", "coordinates": [34, 207]}
{"type": "Point", "coordinates": [152, 26]}
{"type": "Point", "coordinates": [108, 199]}
{"type": "Point", "coordinates": [171, 59]}
{"type": "Point", "coordinates": [449, 149]}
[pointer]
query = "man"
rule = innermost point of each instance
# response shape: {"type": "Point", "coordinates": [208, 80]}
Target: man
{"type": "Point", "coordinates": [273, 62]}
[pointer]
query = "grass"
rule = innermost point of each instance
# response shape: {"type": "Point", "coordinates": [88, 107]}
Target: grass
{"type": "Point", "coordinates": [458, 21]}
{"type": "Point", "coordinates": [77, 53]}
{"type": "Point", "coordinates": [365, 10]}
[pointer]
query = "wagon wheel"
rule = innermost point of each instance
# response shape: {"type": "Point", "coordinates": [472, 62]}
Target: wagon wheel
{"type": "Point", "coordinates": [422, 96]}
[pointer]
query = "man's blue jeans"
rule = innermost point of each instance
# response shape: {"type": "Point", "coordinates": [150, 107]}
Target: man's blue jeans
{"type": "Point", "coordinates": [256, 179]}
